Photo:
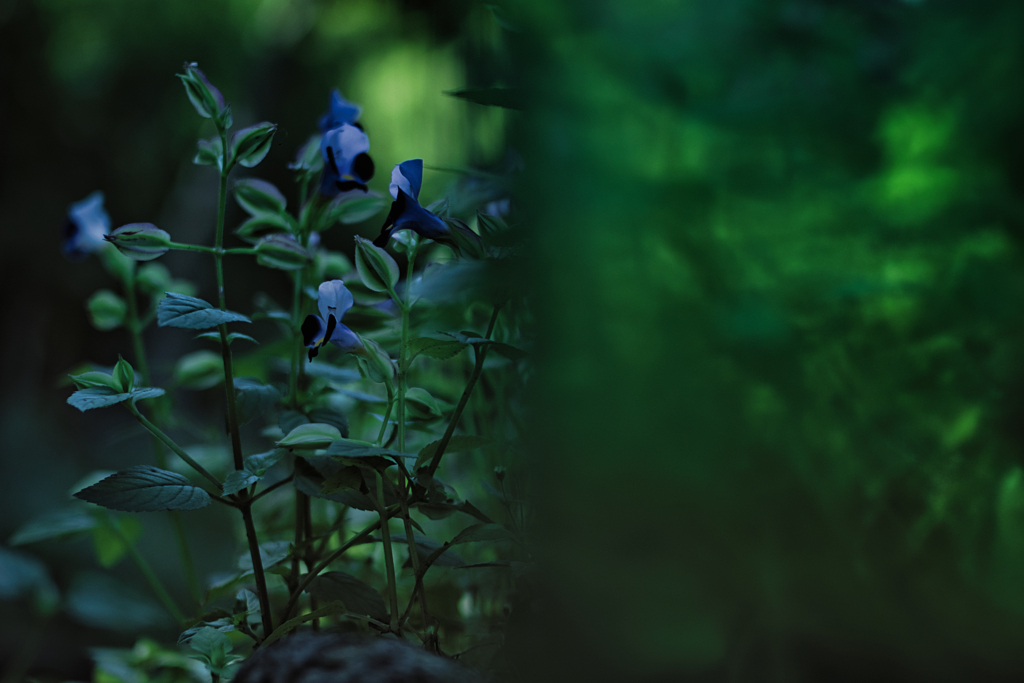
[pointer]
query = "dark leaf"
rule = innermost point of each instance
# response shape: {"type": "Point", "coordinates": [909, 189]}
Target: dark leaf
{"type": "Point", "coordinates": [144, 488]}
{"type": "Point", "coordinates": [357, 596]}
{"type": "Point", "coordinates": [178, 310]}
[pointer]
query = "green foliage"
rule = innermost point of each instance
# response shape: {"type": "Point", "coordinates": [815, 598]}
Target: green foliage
{"type": "Point", "coordinates": [144, 488]}
{"type": "Point", "coordinates": [355, 595]}
{"type": "Point", "coordinates": [178, 310]}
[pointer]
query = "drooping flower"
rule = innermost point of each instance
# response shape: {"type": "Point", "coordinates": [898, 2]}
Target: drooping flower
{"type": "Point", "coordinates": [339, 111]}
{"type": "Point", "coordinates": [86, 225]}
{"type": "Point", "coordinates": [406, 212]}
{"type": "Point", "coordinates": [347, 164]}
{"type": "Point", "coordinates": [317, 330]}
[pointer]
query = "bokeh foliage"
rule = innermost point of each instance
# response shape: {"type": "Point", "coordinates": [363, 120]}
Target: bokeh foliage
{"type": "Point", "coordinates": [780, 284]}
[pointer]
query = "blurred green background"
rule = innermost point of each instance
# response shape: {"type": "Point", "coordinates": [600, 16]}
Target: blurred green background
{"type": "Point", "coordinates": [775, 417]}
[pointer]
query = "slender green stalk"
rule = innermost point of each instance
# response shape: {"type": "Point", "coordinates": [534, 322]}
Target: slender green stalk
{"type": "Point", "coordinates": [389, 558]}
{"type": "Point", "coordinates": [229, 389]}
{"type": "Point", "coordinates": [216, 251]}
{"type": "Point", "coordinates": [135, 328]}
{"type": "Point", "coordinates": [387, 414]}
{"type": "Point", "coordinates": [151, 578]}
{"type": "Point", "coordinates": [403, 361]}
{"type": "Point", "coordinates": [481, 355]}
{"type": "Point", "coordinates": [293, 376]}
{"type": "Point", "coordinates": [170, 444]}
{"type": "Point", "coordinates": [414, 557]}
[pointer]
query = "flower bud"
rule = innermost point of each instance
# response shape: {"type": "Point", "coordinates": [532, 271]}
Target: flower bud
{"type": "Point", "coordinates": [209, 153]}
{"type": "Point", "coordinates": [375, 362]}
{"type": "Point", "coordinates": [140, 241]}
{"type": "Point", "coordinates": [106, 310]}
{"type": "Point", "coordinates": [124, 375]}
{"type": "Point", "coordinates": [206, 98]}
{"type": "Point", "coordinates": [250, 145]}
{"type": "Point", "coordinates": [282, 252]}
{"type": "Point", "coordinates": [92, 380]}
{"type": "Point", "coordinates": [377, 269]}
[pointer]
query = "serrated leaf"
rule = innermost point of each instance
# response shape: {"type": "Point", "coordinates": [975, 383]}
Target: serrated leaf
{"type": "Point", "coordinates": [271, 555]}
{"type": "Point", "coordinates": [224, 625]}
{"type": "Point", "coordinates": [238, 480]}
{"type": "Point", "coordinates": [144, 393]}
{"type": "Point", "coordinates": [96, 397]}
{"type": "Point", "coordinates": [313, 435]}
{"type": "Point", "coordinates": [212, 644]}
{"type": "Point", "coordinates": [357, 596]}
{"type": "Point", "coordinates": [144, 488]}
{"type": "Point", "coordinates": [350, 448]}
{"type": "Point", "coordinates": [215, 336]}
{"type": "Point", "coordinates": [482, 532]}
{"type": "Point", "coordinates": [457, 444]}
{"type": "Point", "coordinates": [441, 349]}
{"type": "Point", "coordinates": [178, 310]}
{"type": "Point", "coordinates": [253, 398]}
{"type": "Point", "coordinates": [53, 525]}
{"type": "Point", "coordinates": [253, 469]}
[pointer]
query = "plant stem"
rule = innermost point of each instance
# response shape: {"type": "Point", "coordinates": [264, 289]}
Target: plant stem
{"type": "Point", "coordinates": [170, 444]}
{"type": "Point", "coordinates": [481, 355]}
{"type": "Point", "coordinates": [151, 578]}
{"type": "Point", "coordinates": [257, 562]}
{"type": "Point", "coordinates": [389, 559]}
{"type": "Point", "coordinates": [387, 414]}
{"type": "Point", "coordinates": [229, 389]}
{"type": "Point", "coordinates": [293, 376]}
{"type": "Point", "coordinates": [270, 488]}
{"type": "Point", "coordinates": [403, 364]}
{"type": "Point", "coordinates": [414, 557]}
{"type": "Point", "coordinates": [135, 328]}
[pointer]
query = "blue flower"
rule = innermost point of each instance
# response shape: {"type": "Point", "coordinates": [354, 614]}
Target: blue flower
{"type": "Point", "coordinates": [339, 111]}
{"type": "Point", "coordinates": [317, 330]}
{"type": "Point", "coordinates": [347, 166]}
{"type": "Point", "coordinates": [86, 225]}
{"type": "Point", "coordinates": [406, 212]}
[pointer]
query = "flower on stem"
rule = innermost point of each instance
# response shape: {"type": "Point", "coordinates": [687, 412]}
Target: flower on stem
{"type": "Point", "coordinates": [339, 111]}
{"type": "Point", "coordinates": [205, 97]}
{"type": "Point", "coordinates": [347, 165]}
{"type": "Point", "coordinates": [86, 225]}
{"type": "Point", "coordinates": [334, 300]}
{"type": "Point", "coordinates": [406, 212]}
{"type": "Point", "coordinates": [140, 241]}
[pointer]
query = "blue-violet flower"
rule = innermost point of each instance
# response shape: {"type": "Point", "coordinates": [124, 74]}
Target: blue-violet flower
{"type": "Point", "coordinates": [406, 212]}
{"type": "Point", "coordinates": [85, 227]}
{"type": "Point", "coordinates": [339, 111]}
{"type": "Point", "coordinates": [317, 330]}
{"type": "Point", "coordinates": [347, 166]}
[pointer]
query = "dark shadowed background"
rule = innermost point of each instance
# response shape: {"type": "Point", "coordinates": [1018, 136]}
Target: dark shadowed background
{"type": "Point", "coordinates": [776, 408]}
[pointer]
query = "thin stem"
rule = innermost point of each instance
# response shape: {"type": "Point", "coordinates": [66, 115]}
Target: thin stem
{"type": "Point", "coordinates": [387, 414]}
{"type": "Point", "coordinates": [151, 578]}
{"type": "Point", "coordinates": [293, 376]}
{"type": "Point", "coordinates": [414, 557]}
{"type": "Point", "coordinates": [181, 246]}
{"type": "Point", "coordinates": [135, 329]}
{"type": "Point", "coordinates": [270, 488]}
{"type": "Point", "coordinates": [170, 444]}
{"type": "Point", "coordinates": [481, 355]}
{"type": "Point", "coordinates": [389, 559]}
{"type": "Point", "coordinates": [257, 565]}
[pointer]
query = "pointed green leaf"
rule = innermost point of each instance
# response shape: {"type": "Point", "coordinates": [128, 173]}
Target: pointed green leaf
{"type": "Point", "coordinates": [357, 596]}
{"type": "Point", "coordinates": [441, 349]}
{"type": "Point", "coordinates": [144, 488]}
{"type": "Point", "coordinates": [253, 398]}
{"type": "Point", "coordinates": [314, 435]}
{"type": "Point", "coordinates": [53, 525]}
{"type": "Point", "coordinates": [96, 397]}
{"type": "Point", "coordinates": [178, 310]}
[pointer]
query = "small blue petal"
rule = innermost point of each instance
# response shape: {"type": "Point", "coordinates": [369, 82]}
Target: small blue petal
{"type": "Point", "coordinates": [86, 224]}
{"type": "Point", "coordinates": [407, 176]}
{"type": "Point", "coordinates": [345, 339]}
{"type": "Point", "coordinates": [414, 217]}
{"type": "Point", "coordinates": [339, 111]}
{"type": "Point", "coordinates": [333, 298]}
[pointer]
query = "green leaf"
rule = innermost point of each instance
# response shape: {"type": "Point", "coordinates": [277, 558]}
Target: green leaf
{"type": "Point", "coordinates": [253, 398]}
{"type": "Point", "coordinates": [312, 435]}
{"type": "Point", "coordinates": [350, 209]}
{"type": "Point", "coordinates": [56, 524]}
{"type": "Point", "coordinates": [144, 488]}
{"type": "Point", "coordinates": [290, 419]}
{"type": "Point", "coordinates": [262, 225]}
{"type": "Point", "coordinates": [377, 270]}
{"type": "Point", "coordinates": [271, 555]}
{"type": "Point", "coordinates": [250, 145]}
{"type": "Point", "coordinates": [224, 625]}
{"type": "Point", "coordinates": [482, 532]}
{"type": "Point", "coordinates": [345, 479]}
{"type": "Point", "coordinates": [212, 644]}
{"type": "Point", "coordinates": [282, 252]}
{"type": "Point", "coordinates": [357, 596]}
{"type": "Point", "coordinates": [238, 480]}
{"type": "Point", "coordinates": [258, 196]}
{"type": "Point", "coordinates": [199, 370]}
{"type": "Point", "coordinates": [421, 405]}
{"type": "Point", "coordinates": [144, 393]}
{"type": "Point", "coordinates": [102, 601]}
{"type": "Point", "coordinates": [107, 542]}
{"type": "Point", "coordinates": [96, 397]}
{"type": "Point", "coordinates": [350, 448]}
{"type": "Point", "coordinates": [215, 336]}
{"type": "Point", "coordinates": [253, 469]}
{"type": "Point", "coordinates": [153, 278]}
{"type": "Point", "coordinates": [441, 349]}
{"type": "Point", "coordinates": [331, 417]}
{"type": "Point", "coordinates": [90, 380]}
{"type": "Point", "coordinates": [178, 310]}
{"type": "Point", "coordinates": [290, 625]}
{"type": "Point", "coordinates": [106, 310]}
{"type": "Point", "coordinates": [209, 153]}
{"type": "Point", "coordinates": [426, 547]}
{"type": "Point", "coordinates": [456, 444]}
{"type": "Point", "coordinates": [507, 98]}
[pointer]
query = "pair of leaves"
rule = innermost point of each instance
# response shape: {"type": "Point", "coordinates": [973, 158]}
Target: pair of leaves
{"type": "Point", "coordinates": [178, 310]}
{"type": "Point", "coordinates": [103, 397]}
{"type": "Point", "coordinates": [253, 469]}
{"type": "Point", "coordinates": [144, 488]}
